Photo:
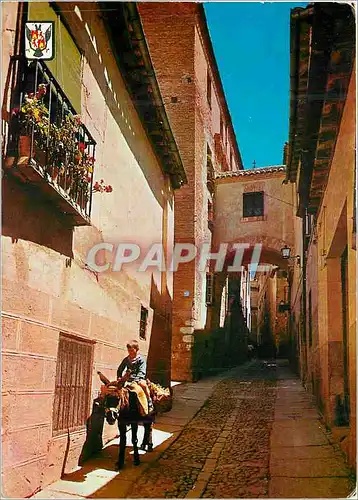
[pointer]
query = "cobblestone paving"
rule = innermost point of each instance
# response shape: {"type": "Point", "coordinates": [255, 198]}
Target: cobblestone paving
{"type": "Point", "coordinates": [224, 450]}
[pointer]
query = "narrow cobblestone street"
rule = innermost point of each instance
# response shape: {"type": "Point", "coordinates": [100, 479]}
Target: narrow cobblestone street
{"type": "Point", "coordinates": [224, 451]}
{"type": "Point", "coordinates": [256, 435]}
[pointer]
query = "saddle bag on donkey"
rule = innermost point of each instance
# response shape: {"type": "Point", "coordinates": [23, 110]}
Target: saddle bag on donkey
{"type": "Point", "coordinates": [162, 397]}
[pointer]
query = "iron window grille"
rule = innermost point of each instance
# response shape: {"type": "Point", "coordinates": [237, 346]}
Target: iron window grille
{"type": "Point", "coordinates": [73, 383]}
{"type": "Point", "coordinates": [253, 204]}
{"type": "Point", "coordinates": [210, 286]}
{"type": "Point", "coordinates": [143, 323]}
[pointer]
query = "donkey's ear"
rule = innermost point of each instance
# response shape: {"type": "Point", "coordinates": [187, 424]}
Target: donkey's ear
{"type": "Point", "coordinates": [103, 378]}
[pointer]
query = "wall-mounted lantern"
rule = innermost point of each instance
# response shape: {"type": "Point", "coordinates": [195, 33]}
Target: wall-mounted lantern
{"type": "Point", "coordinates": [286, 252]}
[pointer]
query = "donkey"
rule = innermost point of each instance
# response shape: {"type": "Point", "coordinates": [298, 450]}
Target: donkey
{"type": "Point", "coordinates": [121, 405]}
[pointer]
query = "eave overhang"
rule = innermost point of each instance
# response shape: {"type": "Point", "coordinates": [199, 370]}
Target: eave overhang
{"type": "Point", "coordinates": [132, 55]}
{"type": "Point", "coordinates": [322, 55]}
{"type": "Point", "coordinates": [264, 172]}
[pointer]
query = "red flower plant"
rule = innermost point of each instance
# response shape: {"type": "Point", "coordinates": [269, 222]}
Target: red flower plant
{"type": "Point", "coordinates": [100, 187]}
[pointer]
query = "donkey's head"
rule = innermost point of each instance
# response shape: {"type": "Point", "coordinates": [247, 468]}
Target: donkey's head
{"type": "Point", "coordinates": [115, 398]}
{"type": "Point", "coordinates": [111, 403]}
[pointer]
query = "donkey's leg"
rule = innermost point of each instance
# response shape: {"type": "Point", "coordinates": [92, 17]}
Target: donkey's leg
{"type": "Point", "coordinates": [147, 440]}
{"type": "Point", "coordinates": [145, 436]}
{"type": "Point", "coordinates": [122, 444]}
{"type": "Point", "coordinates": [150, 437]}
{"type": "Point", "coordinates": [134, 427]}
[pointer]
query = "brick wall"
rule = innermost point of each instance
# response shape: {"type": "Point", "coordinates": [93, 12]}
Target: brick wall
{"type": "Point", "coordinates": [181, 60]}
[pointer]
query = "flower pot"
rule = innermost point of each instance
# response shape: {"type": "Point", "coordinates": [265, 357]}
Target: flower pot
{"type": "Point", "coordinates": [54, 173]}
{"type": "Point", "coordinates": [24, 146]}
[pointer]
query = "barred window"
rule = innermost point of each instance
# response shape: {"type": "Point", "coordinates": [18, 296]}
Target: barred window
{"type": "Point", "coordinates": [253, 204]}
{"type": "Point", "coordinates": [210, 280]}
{"type": "Point", "coordinates": [73, 383]}
{"type": "Point", "coordinates": [143, 323]}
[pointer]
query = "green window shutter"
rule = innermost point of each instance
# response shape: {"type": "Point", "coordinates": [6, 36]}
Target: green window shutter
{"type": "Point", "coordinates": [66, 65]}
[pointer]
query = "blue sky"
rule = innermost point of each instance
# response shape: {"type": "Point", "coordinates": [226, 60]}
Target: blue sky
{"type": "Point", "coordinates": [252, 47]}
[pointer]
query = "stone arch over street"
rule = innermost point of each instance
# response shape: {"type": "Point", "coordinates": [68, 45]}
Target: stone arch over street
{"type": "Point", "coordinates": [269, 251]}
{"type": "Point", "coordinates": [255, 214]}
{"type": "Point", "coordinates": [255, 207]}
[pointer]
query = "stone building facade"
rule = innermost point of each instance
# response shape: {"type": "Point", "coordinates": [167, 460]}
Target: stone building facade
{"type": "Point", "coordinates": [184, 61]}
{"type": "Point", "coordinates": [62, 319]}
{"type": "Point", "coordinates": [321, 165]}
{"type": "Point", "coordinates": [257, 207]}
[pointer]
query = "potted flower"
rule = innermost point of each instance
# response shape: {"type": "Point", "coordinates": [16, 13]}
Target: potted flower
{"type": "Point", "coordinates": [62, 154]}
{"type": "Point", "coordinates": [33, 117]}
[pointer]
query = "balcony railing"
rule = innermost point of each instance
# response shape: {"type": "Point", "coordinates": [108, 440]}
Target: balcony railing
{"type": "Point", "coordinates": [51, 148]}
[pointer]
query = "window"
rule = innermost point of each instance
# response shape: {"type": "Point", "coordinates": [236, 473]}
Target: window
{"type": "Point", "coordinates": [210, 211]}
{"type": "Point", "coordinates": [309, 226]}
{"type": "Point", "coordinates": [210, 279]}
{"type": "Point", "coordinates": [210, 215]}
{"type": "Point", "coordinates": [231, 160]}
{"type": "Point", "coordinates": [73, 383]}
{"type": "Point", "coordinates": [208, 88]}
{"type": "Point", "coordinates": [253, 204]}
{"type": "Point", "coordinates": [221, 127]}
{"type": "Point", "coordinates": [210, 172]}
{"type": "Point", "coordinates": [143, 322]}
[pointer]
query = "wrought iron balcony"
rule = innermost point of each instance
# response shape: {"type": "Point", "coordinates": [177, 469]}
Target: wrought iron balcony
{"type": "Point", "coordinates": [48, 145]}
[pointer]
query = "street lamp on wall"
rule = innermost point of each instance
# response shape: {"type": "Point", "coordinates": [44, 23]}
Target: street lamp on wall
{"type": "Point", "coordinates": [286, 252]}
